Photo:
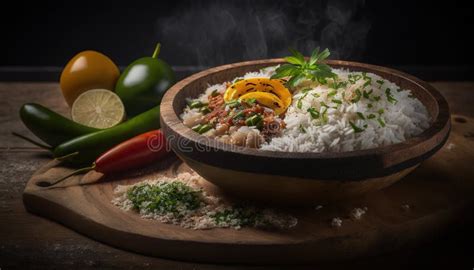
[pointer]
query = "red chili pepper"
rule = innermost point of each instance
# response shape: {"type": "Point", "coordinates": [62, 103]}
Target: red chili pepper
{"type": "Point", "coordinates": [134, 153]}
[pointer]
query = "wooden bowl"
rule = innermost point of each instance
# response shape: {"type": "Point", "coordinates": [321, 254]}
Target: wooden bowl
{"type": "Point", "coordinates": [300, 178]}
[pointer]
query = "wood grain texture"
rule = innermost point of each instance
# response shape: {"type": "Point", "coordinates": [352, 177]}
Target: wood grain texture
{"type": "Point", "coordinates": [225, 164]}
{"type": "Point", "coordinates": [438, 194]}
{"type": "Point", "coordinates": [28, 240]}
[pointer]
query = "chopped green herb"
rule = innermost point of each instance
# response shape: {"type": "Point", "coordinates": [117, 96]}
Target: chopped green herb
{"type": "Point", "coordinates": [333, 92]}
{"type": "Point", "coordinates": [299, 103]}
{"type": "Point", "coordinates": [376, 98]}
{"type": "Point", "coordinates": [381, 122]}
{"type": "Point", "coordinates": [204, 128]}
{"type": "Point", "coordinates": [251, 101]}
{"type": "Point", "coordinates": [322, 104]}
{"type": "Point", "coordinates": [239, 216]}
{"type": "Point", "coordinates": [316, 95]}
{"type": "Point", "coordinates": [336, 85]}
{"type": "Point", "coordinates": [390, 97]}
{"type": "Point", "coordinates": [196, 104]}
{"type": "Point", "coordinates": [313, 113]}
{"type": "Point", "coordinates": [253, 120]}
{"type": "Point", "coordinates": [353, 78]}
{"type": "Point", "coordinates": [164, 198]}
{"type": "Point", "coordinates": [238, 115]}
{"type": "Point", "coordinates": [302, 129]}
{"type": "Point", "coordinates": [214, 93]}
{"type": "Point", "coordinates": [369, 105]}
{"type": "Point", "coordinates": [367, 83]}
{"type": "Point", "coordinates": [358, 96]}
{"type": "Point", "coordinates": [356, 128]}
{"type": "Point", "coordinates": [371, 116]}
{"type": "Point", "coordinates": [196, 127]}
{"type": "Point", "coordinates": [205, 110]}
{"type": "Point", "coordinates": [380, 111]}
{"type": "Point", "coordinates": [367, 94]}
{"type": "Point", "coordinates": [361, 116]}
{"type": "Point", "coordinates": [380, 82]}
{"type": "Point", "coordinates": [233, 103]}
{"type": "Point", "coordinates": [337, 101]}
{"type": "Point", "coordinates": [325, 115]}
{"type": "Point", "coordinates": [305, 90]}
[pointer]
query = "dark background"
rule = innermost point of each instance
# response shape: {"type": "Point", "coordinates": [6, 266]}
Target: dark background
{"type": "Point", "coordinates": [432, 39]}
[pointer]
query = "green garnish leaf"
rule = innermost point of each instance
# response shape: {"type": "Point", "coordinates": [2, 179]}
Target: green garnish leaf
{"type": "Point", "coordinates": [333, 92]}
{"type": "Point", "coordinates": [298, 69]}
{"type": "Point", "coordinates": [381, 111]}
{"type": "Point", "coordinates": [356, 128]}
{"type": "Point", "coordinates": [377, 98]}
{"type": "Point", "coordinates": [371, 116]}
{"type": "Point", "coordinates": [361, 116]}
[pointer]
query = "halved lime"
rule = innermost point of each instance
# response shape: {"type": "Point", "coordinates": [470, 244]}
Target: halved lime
{"type": "Point", "coordinates": [98, 108]}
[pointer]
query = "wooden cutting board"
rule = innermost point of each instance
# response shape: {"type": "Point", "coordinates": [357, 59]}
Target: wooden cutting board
{"type": "Point", "coordinates": [439, 193]}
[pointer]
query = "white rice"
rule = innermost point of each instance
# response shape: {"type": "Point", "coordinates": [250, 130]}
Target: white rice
{"type": "Point", "coordinates": [405, 118]}
{"type": "Point", "coordinates": [400, 120]}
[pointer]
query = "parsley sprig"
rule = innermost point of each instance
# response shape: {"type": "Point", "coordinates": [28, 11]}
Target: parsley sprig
{"type": "Point", "coordinates": [299, 69]}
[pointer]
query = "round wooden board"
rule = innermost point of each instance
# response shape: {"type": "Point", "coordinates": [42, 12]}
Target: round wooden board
{"type": "Point", "coordinates": [439, 193]}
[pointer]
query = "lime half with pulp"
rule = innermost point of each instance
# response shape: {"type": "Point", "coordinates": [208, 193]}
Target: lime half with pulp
{"type": "Point", "coordinates": [98, 108]}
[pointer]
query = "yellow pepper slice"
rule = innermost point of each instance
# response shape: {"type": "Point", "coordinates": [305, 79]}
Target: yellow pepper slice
{"type": "Point", "coordinates": [267, 100]}
{"type": "Point", "coordinates": [271, 86]}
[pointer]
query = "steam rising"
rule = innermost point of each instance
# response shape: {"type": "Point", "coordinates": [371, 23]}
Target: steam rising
{"type": "Point", "coordinates": [214, 33]}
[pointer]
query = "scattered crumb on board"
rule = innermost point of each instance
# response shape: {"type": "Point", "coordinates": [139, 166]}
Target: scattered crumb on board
{"type": "Point", "coordinates": [357, 213]}
{"type": "Point", "coordinates": [204, 216]}
{"type": "Point", "coordinates": [406, 207]}
{"type": "Point", "coordinates": [450, 146]}
{"type": "Point", "coordinates": [336, 222]}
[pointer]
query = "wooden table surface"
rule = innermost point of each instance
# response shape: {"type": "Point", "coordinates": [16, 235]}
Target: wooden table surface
{"type": "Point", "coordinates": [28, 241]}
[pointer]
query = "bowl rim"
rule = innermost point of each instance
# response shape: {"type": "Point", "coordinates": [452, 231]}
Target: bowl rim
{"type": "Point", "coordinates": [438, 126]}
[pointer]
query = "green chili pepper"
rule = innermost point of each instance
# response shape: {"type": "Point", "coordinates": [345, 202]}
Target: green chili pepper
{"type": "Point", "coordinates": [204, 128]}
{"type": "Point", "coordinates": [85, 149]}
{"type": "Point", "coordinates": [253, 121]}
{"type": "Point", "coordinates": [51, 127]}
